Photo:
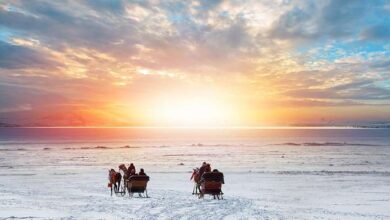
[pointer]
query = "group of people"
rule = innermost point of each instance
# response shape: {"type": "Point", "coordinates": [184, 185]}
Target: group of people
{"type": "Point", "coordinates": [130, 171]}
{"type": "Point", "coordinates": [201, 176]}
{"type": "Point", "coordinates": [197, 175]}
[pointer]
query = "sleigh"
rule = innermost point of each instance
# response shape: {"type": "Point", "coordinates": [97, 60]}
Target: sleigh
{"type": "Point", "coordinates": [137, 184]}
{"type": "Point", "coordinates": [211, 183]}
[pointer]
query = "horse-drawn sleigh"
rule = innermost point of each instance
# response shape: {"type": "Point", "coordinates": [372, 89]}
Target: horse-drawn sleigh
{"type": "Point", "coordinates": [208, 183]}
{"type": "Point", "coordinates": [205, 182]}
{"type": "Point", "coordinates": [130, 183]}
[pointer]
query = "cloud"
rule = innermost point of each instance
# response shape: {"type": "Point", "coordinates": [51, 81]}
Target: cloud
{"type": "Point", "coordinates": [376, 33]}
{"type": "Point", "coordinates": [117, 6]}
{"type": "Point", "coordinates": [303, 53]}
{"type": "Point", "coordinates": [59, 26]}
{"type": "Point", "coordinates": [19, 57]}
{"type": "Point", "coordinates": [355, 91]}
{"type": "Point", "coordinates": [326, 19]}
{"type": "Point", "coordinates": [23, 104]}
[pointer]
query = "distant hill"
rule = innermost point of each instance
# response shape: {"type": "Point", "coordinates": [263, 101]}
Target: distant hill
{"type": "Point", "coordinates": [374, 125]}
{"type": "Point", "coordinates": [357, 125]}
{"type": "Point", "coordinates": [7, 125]}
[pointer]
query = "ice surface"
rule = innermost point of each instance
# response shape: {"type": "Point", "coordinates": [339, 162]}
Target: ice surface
{"type": "Point", "coordinates": [305, 177]}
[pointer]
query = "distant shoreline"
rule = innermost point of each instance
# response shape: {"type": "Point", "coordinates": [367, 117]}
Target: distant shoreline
{"type": "Point", "coordinates": [205, 127]}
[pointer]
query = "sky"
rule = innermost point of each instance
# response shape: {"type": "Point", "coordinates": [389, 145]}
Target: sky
{"type": "Point", "coordinates": [194, 63]}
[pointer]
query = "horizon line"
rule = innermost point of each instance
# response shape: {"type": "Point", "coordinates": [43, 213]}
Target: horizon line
{"type": "Point", "coordinates": [205, 127]}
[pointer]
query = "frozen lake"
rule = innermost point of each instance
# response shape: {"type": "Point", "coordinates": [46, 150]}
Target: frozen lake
{"type": "Point", "coordinates": [269, 173]}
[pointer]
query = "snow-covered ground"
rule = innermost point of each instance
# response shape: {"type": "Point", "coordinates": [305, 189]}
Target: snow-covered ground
{"type": "Point", "coordinates": [290, 178]}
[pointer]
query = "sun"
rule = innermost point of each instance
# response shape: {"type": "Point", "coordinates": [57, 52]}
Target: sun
{"type": "Point", "coordinates": [191, 111]}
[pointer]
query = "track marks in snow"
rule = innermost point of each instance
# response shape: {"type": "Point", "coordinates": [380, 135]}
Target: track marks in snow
{"type": "Point", "coordinates": [179, 205]}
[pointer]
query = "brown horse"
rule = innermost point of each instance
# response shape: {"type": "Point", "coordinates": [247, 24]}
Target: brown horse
{"type": "Point", "coordinates": [197, 175]}
{"type": "Point", "coordinates": [125, 171]}
{"type": "Point", "coordinates": [196, 178]}
{"type": "Point", "coordinates": [115, 180]}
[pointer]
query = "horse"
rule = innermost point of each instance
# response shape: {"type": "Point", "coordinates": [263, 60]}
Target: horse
{"type": "Point", "coordinates": [115, 179]}
{"type": "Point", "coordinates": [196, 178]}
{"type": "Point", "coordinates": [125, 171]}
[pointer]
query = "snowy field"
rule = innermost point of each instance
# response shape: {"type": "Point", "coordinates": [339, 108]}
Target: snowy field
{"type": "Point", "coordinates": [278, 175]}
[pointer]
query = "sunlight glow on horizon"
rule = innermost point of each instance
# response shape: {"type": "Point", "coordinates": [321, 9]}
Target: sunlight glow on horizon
{"type": "Point", "coordinates": [193, 112]}
{"type": "Point", "coordinates": [190, 108]}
